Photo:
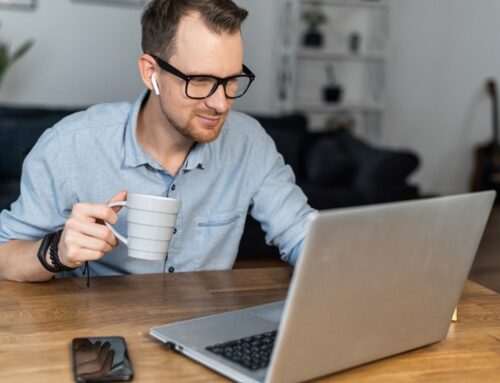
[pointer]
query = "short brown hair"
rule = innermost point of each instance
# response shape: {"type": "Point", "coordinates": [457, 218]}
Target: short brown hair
{"type": "Point", "coordinates": [161, 17]}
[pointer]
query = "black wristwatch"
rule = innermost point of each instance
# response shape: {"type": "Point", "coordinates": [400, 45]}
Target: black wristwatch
{"type": "Point", "coordinates": [50, 242]}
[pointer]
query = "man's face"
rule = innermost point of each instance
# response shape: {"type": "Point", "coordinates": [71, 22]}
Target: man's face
{"type": "Point", "coordinates": [199, 51]}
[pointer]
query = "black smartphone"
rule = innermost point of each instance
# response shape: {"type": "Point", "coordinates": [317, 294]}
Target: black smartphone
{"type": "Point", "coordinates": [103, 359]}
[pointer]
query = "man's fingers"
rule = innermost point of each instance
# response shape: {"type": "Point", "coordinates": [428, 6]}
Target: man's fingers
{"type": "Point", "coordinates": [92, 230]}
{"type": "Point", "coordinates": [84, 238]}
{"type": "Point", "coordinates": [120, 196]}
{"type": "Point", "coordinates": [90, 243]}
{"type": "Point", "coordinates": [83, 255]}
{"type": "Point", "coordinates": [91, 212]}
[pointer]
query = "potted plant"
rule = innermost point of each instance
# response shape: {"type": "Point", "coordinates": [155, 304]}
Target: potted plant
{"type": "Point", "coordinates": [7, 58]}
{"type": "Point", "coordinates": [313, 18]}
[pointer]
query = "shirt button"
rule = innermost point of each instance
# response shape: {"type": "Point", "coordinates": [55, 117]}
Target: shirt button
{"type": "Point", "coordinates": [175, 230]}
{"type": "Point", "coordinates": [173, 187]}
{"type": "Point", "coordinates": [171, 269]}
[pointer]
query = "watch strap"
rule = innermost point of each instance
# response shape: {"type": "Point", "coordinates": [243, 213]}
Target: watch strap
{"type": "Point", "coordinates": [42, 252]}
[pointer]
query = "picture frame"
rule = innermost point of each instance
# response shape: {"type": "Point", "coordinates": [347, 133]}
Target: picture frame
{"type": "Point", "coordinates": [133, 3]}
{"type": "Point", "coordinates": [18, 4]}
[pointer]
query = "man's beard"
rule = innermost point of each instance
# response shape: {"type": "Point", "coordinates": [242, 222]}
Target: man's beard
{"type": "Point", "coordinates": [192, 132]}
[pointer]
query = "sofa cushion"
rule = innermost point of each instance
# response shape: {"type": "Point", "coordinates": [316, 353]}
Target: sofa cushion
{"type": "Point", "coordinates": [289, 134]}
{"type": "Point", "coordinates": [327, 164]}
{"type": "Point", "coordinates": [9, 191]}
{"type": "Point", "coordinates": [377, 166]}
{"type": "Point", "coordinates": [320, 197]}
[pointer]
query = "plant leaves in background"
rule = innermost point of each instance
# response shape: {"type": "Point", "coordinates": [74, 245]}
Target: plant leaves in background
{"type": "Point", "coordinates": [7, 59]}
{"type": "Point", "coordinates": [22, 50]}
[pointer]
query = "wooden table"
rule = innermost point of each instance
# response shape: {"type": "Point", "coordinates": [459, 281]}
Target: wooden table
{"type": "Point", "coordinates": [38, 321]}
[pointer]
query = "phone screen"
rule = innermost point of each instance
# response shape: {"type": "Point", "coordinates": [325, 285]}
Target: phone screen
{"type": "Point", "coordinates": [103, 359]}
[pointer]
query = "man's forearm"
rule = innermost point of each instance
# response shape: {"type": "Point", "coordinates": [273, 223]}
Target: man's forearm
{"type": "Point", "coordinates": [19, 262]}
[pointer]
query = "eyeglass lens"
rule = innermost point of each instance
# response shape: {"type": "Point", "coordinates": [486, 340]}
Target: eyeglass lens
{"type": "Point", "coordinates": [201, 87]}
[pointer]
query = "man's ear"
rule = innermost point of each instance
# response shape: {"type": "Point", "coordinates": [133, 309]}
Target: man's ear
{"type": "Point", "coordinates": [147, 67]}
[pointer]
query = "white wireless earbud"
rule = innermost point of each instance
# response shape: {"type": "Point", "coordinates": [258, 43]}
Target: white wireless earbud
{"type": "Point", "coordinates": [155, 84]}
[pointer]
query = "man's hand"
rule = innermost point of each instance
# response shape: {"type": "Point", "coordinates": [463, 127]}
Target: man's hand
{"type": "Point", "coordinates": [84, 238]}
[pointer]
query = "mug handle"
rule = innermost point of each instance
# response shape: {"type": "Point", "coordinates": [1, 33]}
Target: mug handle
{"type": "Point", "coordinates": [118, 235]}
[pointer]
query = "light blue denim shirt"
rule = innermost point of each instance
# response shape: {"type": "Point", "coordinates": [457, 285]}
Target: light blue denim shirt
{"type": "Point", "coordinates": [91, 155]}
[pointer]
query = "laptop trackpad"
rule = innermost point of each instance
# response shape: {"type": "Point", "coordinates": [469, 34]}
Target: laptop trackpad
{"type": "Point", "coordinates": [271, 313]}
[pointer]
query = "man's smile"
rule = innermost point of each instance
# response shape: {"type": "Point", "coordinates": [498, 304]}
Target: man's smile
{"type": "Point", "coordinates": [210, 121]}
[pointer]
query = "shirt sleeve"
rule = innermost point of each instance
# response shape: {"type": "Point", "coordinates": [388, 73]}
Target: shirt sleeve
{"type": "Point", "coordinates": [44, 203]}
{"type": "Point", "coordinates": [294, 254]}
{"type": "Point", "coordinates": [279, 204]}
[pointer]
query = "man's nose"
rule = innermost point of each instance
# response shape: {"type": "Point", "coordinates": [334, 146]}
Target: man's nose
{"type": "Point", "coordinates": [218, 100]}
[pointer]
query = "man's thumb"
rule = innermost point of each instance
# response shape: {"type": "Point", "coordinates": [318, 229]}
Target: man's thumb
{"type": "Point", "coordinates": [120, 196]}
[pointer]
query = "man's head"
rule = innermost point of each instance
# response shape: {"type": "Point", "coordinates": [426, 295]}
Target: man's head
{"type": "Point", "coordinates": [196, 37]}
{"type": "Point", "coordinates": [161, 18]}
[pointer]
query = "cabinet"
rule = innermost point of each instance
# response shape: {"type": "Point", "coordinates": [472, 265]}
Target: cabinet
{"type": "Point", "coordinates": [351, 58]}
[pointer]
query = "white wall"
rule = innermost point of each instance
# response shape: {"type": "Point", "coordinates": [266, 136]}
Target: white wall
{"type": "Point", "coordinates": [84, 53]}
{"type": "Point", "coordinates": [441, 54]}
{"type": "Point", "coordinates": [258, 30]}
{"type": "Point", "coordinates": [268, 34]}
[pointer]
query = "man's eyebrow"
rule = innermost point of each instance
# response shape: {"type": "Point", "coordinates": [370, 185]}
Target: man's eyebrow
{"type": "Point", "coordinates": [213, 75]}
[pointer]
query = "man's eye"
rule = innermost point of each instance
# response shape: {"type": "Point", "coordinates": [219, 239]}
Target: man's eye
{"type": "Point", "coordinates": [232, 82]}
{"type": "Point", "coordinates": [202, 81]}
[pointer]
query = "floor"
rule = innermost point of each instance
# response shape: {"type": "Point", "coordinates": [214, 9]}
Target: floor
{"type": "Point", "coordinates": [486, 267]}
{"type": "Point", "coordinates": [485, 270]}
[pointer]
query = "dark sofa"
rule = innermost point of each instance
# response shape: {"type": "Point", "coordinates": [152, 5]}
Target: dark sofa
{"type": "Point", "coordinates": [20, 128]}
{"type": "Point", "coordinates": [334, 169]}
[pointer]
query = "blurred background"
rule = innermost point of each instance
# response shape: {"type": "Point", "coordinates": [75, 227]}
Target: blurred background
{"type": "Point", "coordinates": [403, 74]}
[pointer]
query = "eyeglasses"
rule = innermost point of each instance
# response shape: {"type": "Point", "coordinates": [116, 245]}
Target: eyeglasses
{"type": "Point", "coordinates": [201, 86]}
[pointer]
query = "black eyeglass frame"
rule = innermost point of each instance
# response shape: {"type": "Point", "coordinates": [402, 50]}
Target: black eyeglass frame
{"type": "Point", "coordinates": [219, 81]}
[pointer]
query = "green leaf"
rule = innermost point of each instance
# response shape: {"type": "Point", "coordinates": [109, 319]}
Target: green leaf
{"type": "Point", "coordinates": [22, 50]}
{"type": "Point", "coordinates": [4, 57]}
{"type": "Point", "coordinates": [6, 60]}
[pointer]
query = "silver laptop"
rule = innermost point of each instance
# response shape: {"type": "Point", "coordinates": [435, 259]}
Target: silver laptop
{"type": "Point", "coordinates": [371, 282]}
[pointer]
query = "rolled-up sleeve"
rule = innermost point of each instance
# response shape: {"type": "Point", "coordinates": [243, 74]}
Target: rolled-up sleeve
{"type": "Point", "coordinates": [43, 204]}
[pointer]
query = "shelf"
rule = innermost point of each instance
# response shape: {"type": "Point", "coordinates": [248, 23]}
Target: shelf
{"type": "Point", "coordinates": [324, 107]}
{"type": "Point", "coordinates": [349, 3]}
{"type": "Point", "coordinates": [319, 54]}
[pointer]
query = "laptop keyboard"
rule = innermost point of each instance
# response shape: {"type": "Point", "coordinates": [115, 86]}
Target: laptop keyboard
{"type": "Point", "coordinates": [252, 352]}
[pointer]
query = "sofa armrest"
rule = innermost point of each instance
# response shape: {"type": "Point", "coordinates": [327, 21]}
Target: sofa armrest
{"type": "Point", "coordinates": [20, 128]}
{"type": "Point", "coordinates": [378, 167]}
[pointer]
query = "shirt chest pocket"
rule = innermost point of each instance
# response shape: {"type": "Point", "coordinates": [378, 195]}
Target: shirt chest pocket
{"type": "Point", "coordinates": [215, 240]}
{"type": "Point", "coordinates": [220, 222]}
{"type": "Point", "coordinates": [220, 231]}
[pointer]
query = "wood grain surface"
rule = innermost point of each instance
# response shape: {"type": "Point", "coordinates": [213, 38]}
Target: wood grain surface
{"type": "Point", "coordinates": [38, 321]}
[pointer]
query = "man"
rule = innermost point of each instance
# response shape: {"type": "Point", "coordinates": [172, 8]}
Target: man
{"type": "Point", "coordinates": [179, 140]}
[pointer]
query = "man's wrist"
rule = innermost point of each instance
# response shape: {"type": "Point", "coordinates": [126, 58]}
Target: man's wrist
{"type": "Point", "coordinates": [48, 254]}
{"type": "Point", "coordinates": [54, 254]}
{"type": "Point", "coordinates": [43, 251]}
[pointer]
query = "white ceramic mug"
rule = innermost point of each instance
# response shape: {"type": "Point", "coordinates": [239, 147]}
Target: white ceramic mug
{"type": "Point", "coordinates": [150, 225]}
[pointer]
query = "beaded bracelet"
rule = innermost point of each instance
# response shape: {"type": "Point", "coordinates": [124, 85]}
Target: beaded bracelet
{"type": "Point", "coordinates": [54, 257]}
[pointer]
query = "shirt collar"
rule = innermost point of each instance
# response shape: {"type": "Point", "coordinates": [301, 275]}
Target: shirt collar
{"type": "Point", "coordinates": [196, 157]}
{"type": "Point", "coordinates": [135, 155]}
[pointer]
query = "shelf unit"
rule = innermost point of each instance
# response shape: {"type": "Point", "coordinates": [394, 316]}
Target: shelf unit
{"type": "Point", "coordinates": [314, 54]}
{"type": "Point", "coordinates": [359, 72]}
{"type": "Point", "coordinates": [376, 4]}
